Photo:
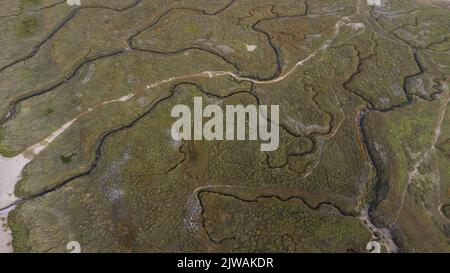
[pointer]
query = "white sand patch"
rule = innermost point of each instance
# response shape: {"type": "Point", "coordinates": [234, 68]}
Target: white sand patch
{"type": "Point", "coordinates": [10, 169]}
{"type": "Point", "coordinates": [357, 26]}
{"type": "Point", "coordinates": [73, 2]}
{"type": "Point", "coordinates": [376, 3]}
{"type": "Point", "coordinates": [121, 99]}
{"type": "Point", "coordinates": [251, 47]}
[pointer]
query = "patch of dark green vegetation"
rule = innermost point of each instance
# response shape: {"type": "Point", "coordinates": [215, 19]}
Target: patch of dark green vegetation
{"type": "Point", "coordinates": [50, 110]}
{"type": "Point", "coordinates": [67, 159]}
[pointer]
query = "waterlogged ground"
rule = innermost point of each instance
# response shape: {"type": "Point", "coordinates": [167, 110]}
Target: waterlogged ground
{"type": "Point", "coordinates": [86, 93]}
